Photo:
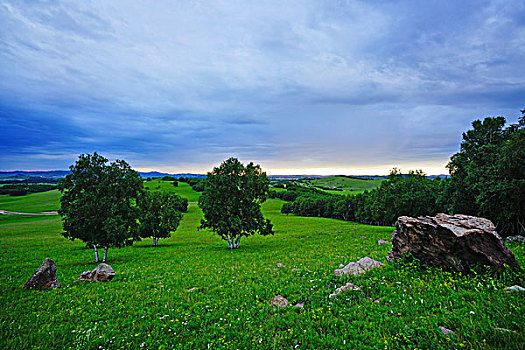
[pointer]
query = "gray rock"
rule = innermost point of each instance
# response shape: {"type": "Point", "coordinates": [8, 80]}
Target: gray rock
{"type": "Point", "coordinates": [101, 273]}
{"type": "Point", "coordinates": [279, 301]}
{"type": "Point", "coordinates": [446, 331]}
{"type": "Point", "coordinates": [383, 242]}
{"type": "Point", "coordinates": [518, 239]}
{"type": "Point", "coordinates": [345, 288]}
{"type": "Point", "coordinates": [44, 277]}
{"type": "Point", "coordinates": [514, 288]}
{"type": "Point", "coordinates": [299, 305]}
{"type": "Point", "coordinates": [359, 267]}
{"type": "Point", "coordinates": [280, 265]}
{"type": "Point", "coordinates": [505, 330]}
{"type": "Point", "coordinates": [455, 243]}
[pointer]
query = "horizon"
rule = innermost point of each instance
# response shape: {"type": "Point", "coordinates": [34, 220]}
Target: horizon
{"type": "Point", "coordinates": [349, 87]}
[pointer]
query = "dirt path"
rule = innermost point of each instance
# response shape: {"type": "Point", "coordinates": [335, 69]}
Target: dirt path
{"type": "Point", "coordinates": [6, 212]}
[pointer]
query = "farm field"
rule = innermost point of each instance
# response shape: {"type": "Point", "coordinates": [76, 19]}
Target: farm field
{"type": "Point", "coordinates": [191, 292]}
{"type": "Point", "coordinates": [343, 184]}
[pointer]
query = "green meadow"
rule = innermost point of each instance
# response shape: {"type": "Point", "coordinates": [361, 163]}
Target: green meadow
{"type": "Point", "coordinates": [343, 184]}
{"type": "Point", "coordinates": [191, 292]}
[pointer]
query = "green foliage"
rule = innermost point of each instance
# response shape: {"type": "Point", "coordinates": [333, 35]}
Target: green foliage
{"type": "Point", "coordinates": [98, 202]}
{"type": "Point", "coordinates": [488, 174]}
{"type": "Point", "coordinates": [159, 214]}
{"type": "Point", "coordinates": [231, 202]}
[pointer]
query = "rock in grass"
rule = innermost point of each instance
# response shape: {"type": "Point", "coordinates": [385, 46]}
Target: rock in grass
{"type": "Point", "coordinates": [101, 273]}
{"type": "Point", "coordinates": [44, 277]}
{"type": "Point", "coordinates": [280, 265]}
{"type": "Point", "coordinates": [299, 305]}
{"type": "Point", "coordinates": [446, 331]}
{"type": "Point", "coordinates": [279, 301]}
{"type": "Point", "coordinates": [515, 288]}
{"type": "Point", "coordinates": [345, 288]}
{"type": "Point", "coordinates": [452, 242]}
{"type": "Point", "coordinates": [380, 242]}
{"type": "Point", "coordinates": [359, 267]}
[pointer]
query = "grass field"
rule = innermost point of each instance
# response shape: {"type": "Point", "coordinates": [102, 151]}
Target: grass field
{"type": "Point", "coordinates": [344, 184]}
{"type": "Point", "coordinates": [183, 189]}
{"type": "Point", "coordinates": [151, 302]}
{"type": "Point", "coordinates": [31, 203]}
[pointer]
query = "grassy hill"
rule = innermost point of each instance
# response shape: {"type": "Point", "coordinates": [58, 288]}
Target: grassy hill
{"type": "Point", "coordinates": [192, 292]}
{"type": "Point", "coordinates": [31, 203]}
{"type": "Point", "coordinates": [343, 184]}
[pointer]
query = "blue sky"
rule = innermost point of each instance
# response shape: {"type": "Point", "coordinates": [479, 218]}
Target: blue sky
{"type": "Point", "coordinates": [325, 87]}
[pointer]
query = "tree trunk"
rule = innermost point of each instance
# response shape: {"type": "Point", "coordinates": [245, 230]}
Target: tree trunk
{"type": "Point", "coordinates": [96, 253]}
{"type": "Point", "coordinates": [105, 254]}
{"type": "Point", "coordinates": [230, 242]}
{"type": "Point", "coordinates": [155, 242]}
{"type": "Point", "coordinates": [237, 241]}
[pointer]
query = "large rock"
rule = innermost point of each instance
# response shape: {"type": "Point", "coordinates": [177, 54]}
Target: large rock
{"type": "Point", "coordinates": [359, 267]}
{"type": "Point", "coordinates": [44, 277]}
{"type": "Point", "coordinates": [101, 273]}
{"type": "Point", "coordinates": [456, 243]}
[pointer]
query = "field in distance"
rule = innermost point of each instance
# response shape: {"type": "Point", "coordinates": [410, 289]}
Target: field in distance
{"type": "Point", "coordinates": [343, 184]}
{"type": "Point", "coordinates": [193, 292]}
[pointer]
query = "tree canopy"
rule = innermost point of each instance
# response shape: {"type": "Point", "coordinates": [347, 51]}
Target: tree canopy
{"type": "Point", "coordinates": [231, 201]}
{"type": "Point", "coordinates": [98, 202]}
{"type": "Point", "coordinates": [159, 214]}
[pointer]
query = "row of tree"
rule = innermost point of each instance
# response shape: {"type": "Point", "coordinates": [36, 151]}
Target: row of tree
{"type": "Point", "coordinates": [487, 178]}
{"type": "Point", "coordinates": [104, 205]}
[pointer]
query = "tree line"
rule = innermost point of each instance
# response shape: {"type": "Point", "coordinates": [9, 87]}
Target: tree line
{"type": "Point", "coordinates": [487, 178]}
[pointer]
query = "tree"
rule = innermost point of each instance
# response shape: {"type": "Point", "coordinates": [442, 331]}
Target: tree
{"type": "Point", "coordinates": [98, 202]}
{"type": "Point", "coordinates": [159, 214]}
{"type": "Point", "coordinates": [488, 174]}
{"type": "Point", "coordinates": [231, 201]}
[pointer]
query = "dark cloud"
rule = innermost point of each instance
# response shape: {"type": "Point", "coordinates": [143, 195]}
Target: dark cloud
{"type": "Point", "coordinates": [181, 86]}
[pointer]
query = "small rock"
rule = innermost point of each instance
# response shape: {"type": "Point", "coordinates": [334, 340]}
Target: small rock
{"type": "Point", "coordinates": [280, 265]}
{"type": "Point", "coordinates": [383, 242]}
{"type": "Point", "coordinates": [339, 231]}
{"type": "Point", "coordinates": [295, 269]}
{"type": "Point", "coordinates": [345, 288]}
{"type": "Point", "coordinates": [359, 267]}
{"type": "Point", "coordinates": [362, 236]}
{"type": "Point", "coordinates": [101, 273]}
{"type": "Point", "coordinates": [505, 330]}
{"type": "Point", "coordinates": [446, 331]}
{"type": "Point", "coordinates": [279, 301]}
{"type": "Point", "coordinates": [44, 277]}
{"type": "Point", "coordinates": [192, 289]}
{"type": "Point", "coordinates": [341, 265]}
{"type": "Point", "coordinates": [299, 305]}
{"type": "Point", "coordinates": [514, 288]}
{"type": "Point", "coordinates": [518, 239]}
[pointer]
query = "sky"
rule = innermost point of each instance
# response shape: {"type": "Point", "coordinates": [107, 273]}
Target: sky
{"type": "Point", "coordinates": [299, 87]}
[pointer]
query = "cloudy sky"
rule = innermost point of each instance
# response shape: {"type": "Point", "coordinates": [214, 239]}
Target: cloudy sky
{"type": "Point", "coordinates": [322, 87]}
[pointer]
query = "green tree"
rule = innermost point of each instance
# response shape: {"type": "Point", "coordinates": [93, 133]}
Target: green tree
{"type": "Point", "coordinates": [98, 202]}
{"type": "Point", "coordinates": [488, 174]}
{"type": "Point", "coordinates": [231, 201]}
{"type": "Point", "coordinates": [159, 214]}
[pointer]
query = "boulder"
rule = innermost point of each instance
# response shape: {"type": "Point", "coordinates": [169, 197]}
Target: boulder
{"type": "Point", "coordinates": [452, 242]}
{"type": "Point", "coordinates": [44, 277]}
{"type": "Point", "coordinates": [359, 267]}
{"type": "Point", "coordinates": [446, 331]}
{"type": "Point", "coordinates": [380, 242]}
{"type": "Point", "coordinates": [101, 273]}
